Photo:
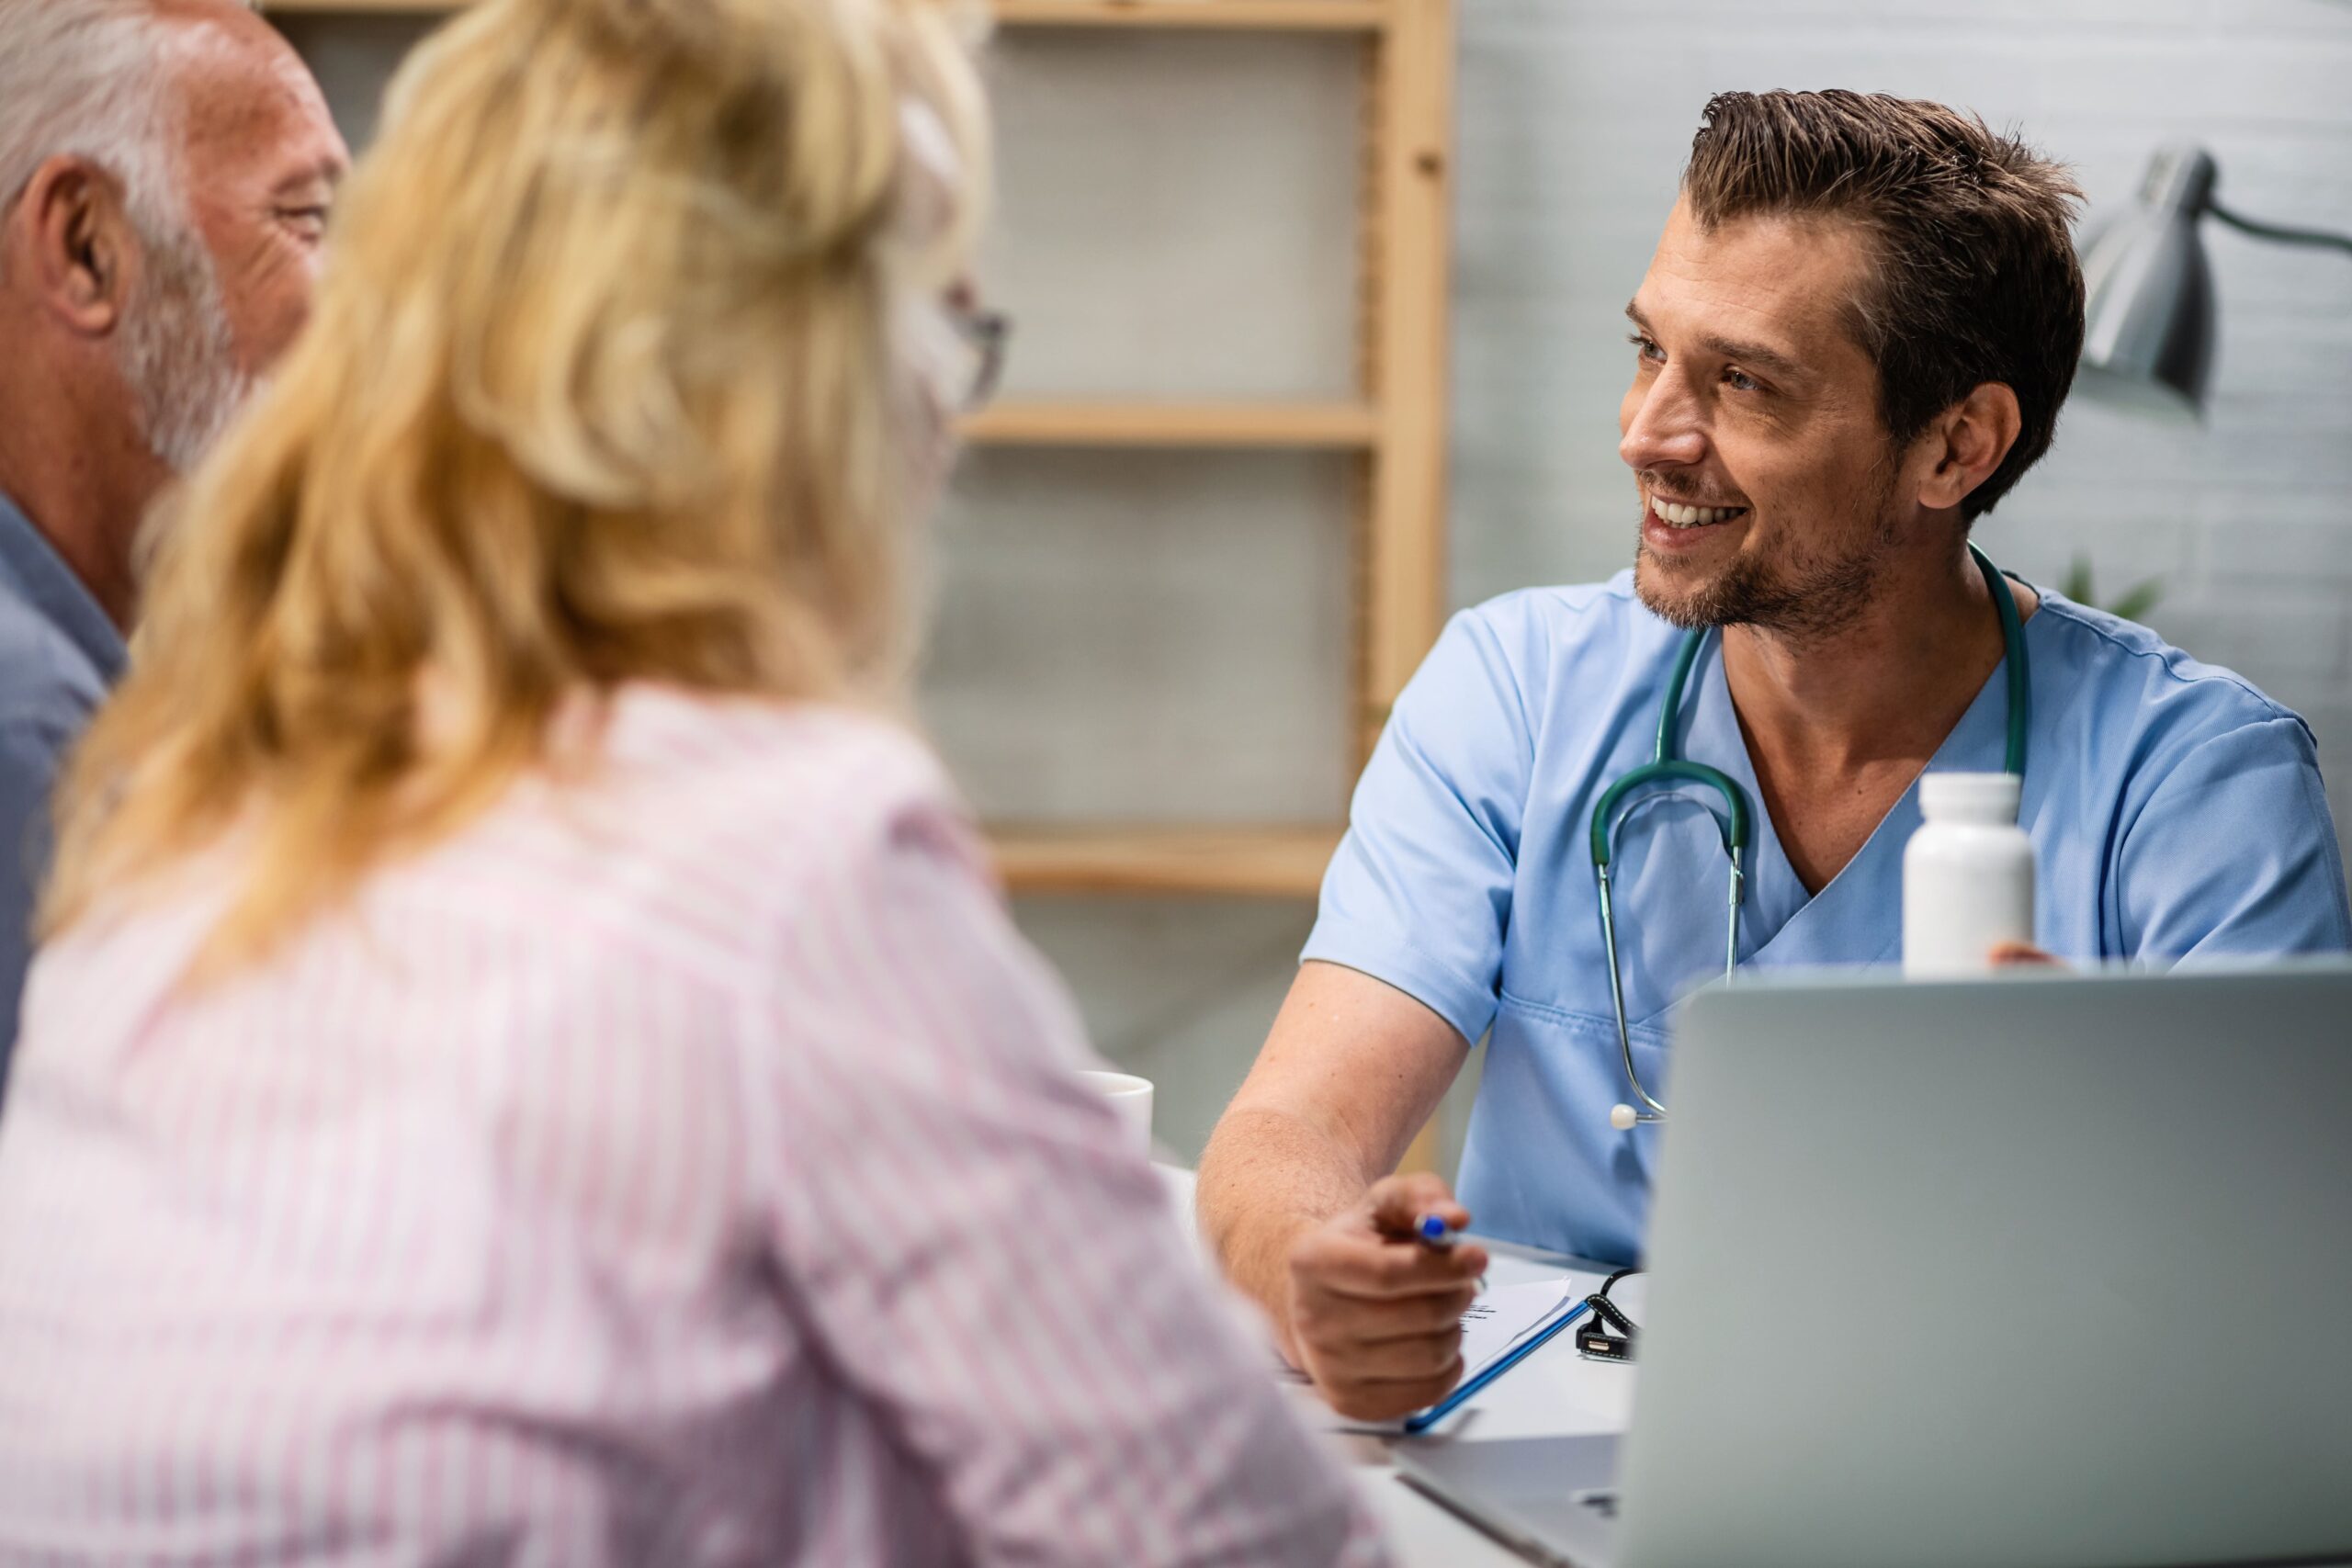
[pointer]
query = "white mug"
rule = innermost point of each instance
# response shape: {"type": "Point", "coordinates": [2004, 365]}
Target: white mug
{"type": "Point", "coordinates": [1130, 1097]}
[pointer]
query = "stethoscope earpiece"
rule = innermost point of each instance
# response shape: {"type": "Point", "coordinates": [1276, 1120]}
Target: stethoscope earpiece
{"type": "Point", "coordinates": [1624, 1118]}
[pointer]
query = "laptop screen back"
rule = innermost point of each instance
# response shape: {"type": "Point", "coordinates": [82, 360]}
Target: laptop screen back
{"type": "Point", "coordinates": [2045, 1271]}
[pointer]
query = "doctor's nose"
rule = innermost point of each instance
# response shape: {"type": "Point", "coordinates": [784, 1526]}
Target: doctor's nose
{"type": "Point", "coordinates": [1659, 426]}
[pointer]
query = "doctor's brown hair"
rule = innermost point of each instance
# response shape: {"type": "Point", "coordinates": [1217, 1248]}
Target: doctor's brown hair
{"type": "Point", "coordinates": [1977, 279]}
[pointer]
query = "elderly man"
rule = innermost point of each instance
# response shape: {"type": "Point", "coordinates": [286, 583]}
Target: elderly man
{"type": "Point", "coordinates": [165, 171]}
{"type": "Point", "coordinates": [1855, 336]}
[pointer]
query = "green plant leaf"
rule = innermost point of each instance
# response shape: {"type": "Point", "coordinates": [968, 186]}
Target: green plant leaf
{"type": "Point", "coordinates": [2077, 583]}
{"type": "Point", "coordinates": [2135, 606]}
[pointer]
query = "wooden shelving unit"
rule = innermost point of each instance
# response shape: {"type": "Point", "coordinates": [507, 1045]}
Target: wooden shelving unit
{"type": "Point", "coordinates": [1276, 16]}
{"type": "Point", "coordinates": [1274, 862]}
{"type": "Point", "coordinates": [1395, 427]}
{"type": "Point", "coordinates": [1300, 426]}
{"type": "Point", "coordinates": [1270, 16]}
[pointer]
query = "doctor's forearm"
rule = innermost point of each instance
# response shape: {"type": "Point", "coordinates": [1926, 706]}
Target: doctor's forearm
{"type": "Point", "coordinates": [1352, 1066]}
{"type": "Point", "coordinates": [1265, 1178]}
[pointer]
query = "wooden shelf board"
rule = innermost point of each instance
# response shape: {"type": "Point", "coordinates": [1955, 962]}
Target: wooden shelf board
{"type": "Point", "coordinates": [1237, 15]}
{"type": "Point", "coordinates": [359, 8]}
{"type": "Point", "coordinates": [1277, 16]}
{"type": "Point", "coordinates": [1345, 426]}
{"type": "Point", "coordinates": [1269, 862]}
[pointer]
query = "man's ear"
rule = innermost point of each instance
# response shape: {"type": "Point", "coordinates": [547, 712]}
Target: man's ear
{"type": "Point", "coordinates": [1967, 441]}
{"type": "Point", "coordinates": [82, 249]}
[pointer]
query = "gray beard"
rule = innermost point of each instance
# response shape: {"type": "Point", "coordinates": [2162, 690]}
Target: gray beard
{"type": "Point", "coordinates": [178, 357]}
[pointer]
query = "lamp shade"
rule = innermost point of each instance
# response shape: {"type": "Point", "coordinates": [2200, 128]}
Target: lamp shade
{"type": "Point", "coordinates": [2148, 313]}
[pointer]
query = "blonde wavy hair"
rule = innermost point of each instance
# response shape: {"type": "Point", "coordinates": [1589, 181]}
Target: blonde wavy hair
{"type": "Point", "coordinates": [609, 380]}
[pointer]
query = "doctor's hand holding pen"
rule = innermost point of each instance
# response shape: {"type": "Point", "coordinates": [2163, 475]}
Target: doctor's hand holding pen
{"type": "Point", "coordinates": [1376, 1311]}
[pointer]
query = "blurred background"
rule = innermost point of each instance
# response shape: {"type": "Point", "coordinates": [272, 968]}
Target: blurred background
{"type": "Point", "coordinates": [1133, 634]}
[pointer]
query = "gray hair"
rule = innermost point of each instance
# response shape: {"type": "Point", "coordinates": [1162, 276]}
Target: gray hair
{"type": "Point", "coordinates": [93, 79]}
{"type": "Point", "coordinates": [90, 78]}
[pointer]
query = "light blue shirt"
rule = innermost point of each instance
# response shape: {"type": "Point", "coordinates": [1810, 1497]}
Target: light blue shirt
{"type": "Point", "coordinates": [2176, 813]}
{"type": "Point", "coordinates": [59, 655]}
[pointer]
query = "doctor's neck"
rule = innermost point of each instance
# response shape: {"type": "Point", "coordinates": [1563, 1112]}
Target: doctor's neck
{"type": "Point", "coordinates": [1880, 676]}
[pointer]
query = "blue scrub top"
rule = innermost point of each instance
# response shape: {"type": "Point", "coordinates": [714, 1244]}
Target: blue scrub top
{"type": "Point", "coordinates": [2176, 813]}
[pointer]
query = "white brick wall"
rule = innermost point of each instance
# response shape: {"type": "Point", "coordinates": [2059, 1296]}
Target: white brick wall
{"type": "Point", "coordinates": [1578, 113]}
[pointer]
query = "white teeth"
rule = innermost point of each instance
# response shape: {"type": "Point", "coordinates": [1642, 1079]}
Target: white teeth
{"type": "Point", "coordinates": [1695, 516]}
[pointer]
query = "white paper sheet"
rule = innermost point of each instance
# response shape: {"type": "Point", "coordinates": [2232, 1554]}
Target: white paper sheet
{"type": "Point", "coordinates": [1500, 1318]}
{"type": "Point", "coordinates": [1495, 1325]}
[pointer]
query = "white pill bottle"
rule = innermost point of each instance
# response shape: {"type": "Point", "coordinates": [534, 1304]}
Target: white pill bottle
{"type": "Point", "coordinates": [1967, 875]}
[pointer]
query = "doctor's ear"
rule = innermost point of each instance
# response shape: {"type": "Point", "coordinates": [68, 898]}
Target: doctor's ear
{"type": "Point", "coordinates": [73, 236]}
{"type": "Point", "coordinates": [1967, 441]}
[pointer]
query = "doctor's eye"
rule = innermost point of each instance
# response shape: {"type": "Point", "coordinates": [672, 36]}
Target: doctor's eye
{"type": "Point", "coordinates": [1741, 381]}
{"type": "Point", "coordinates": [1646, 349]}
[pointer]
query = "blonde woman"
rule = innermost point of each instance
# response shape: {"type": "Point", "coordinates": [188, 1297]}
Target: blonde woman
{"type": "Point", "coordinates": [527, 1066]}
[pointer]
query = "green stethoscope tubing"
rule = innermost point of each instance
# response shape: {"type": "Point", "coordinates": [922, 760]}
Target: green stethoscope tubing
{"type": "Point", "coordinates": [1737, 822]}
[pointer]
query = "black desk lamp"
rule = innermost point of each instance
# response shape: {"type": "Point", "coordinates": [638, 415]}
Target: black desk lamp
{"type": "Point", "coordinates": [2148, 328]}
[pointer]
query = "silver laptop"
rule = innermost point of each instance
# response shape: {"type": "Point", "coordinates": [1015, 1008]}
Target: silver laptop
{"type": "Point", "coordinates": [2048, 1271]}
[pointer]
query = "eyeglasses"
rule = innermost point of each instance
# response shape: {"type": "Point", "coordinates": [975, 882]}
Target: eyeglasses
{"type": "Point", "coordinates": [984, 336]}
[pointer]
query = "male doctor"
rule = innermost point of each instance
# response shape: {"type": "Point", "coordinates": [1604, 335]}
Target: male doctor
{"type": "Point", "coordinates": [1854, 337]}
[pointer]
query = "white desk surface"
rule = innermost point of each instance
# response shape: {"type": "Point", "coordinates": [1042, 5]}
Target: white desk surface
{"type": "Point", "coordinates": [1553, 1391]}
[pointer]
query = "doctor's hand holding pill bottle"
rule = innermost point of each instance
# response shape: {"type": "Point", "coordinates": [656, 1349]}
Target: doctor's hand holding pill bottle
{"type": "Point", "coordinates": [1375, 1309]}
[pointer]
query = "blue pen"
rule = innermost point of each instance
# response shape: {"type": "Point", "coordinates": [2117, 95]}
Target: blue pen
{"type": "Point", "coordinates": [1421, 1421]}
{"type": "Point", "coordinates": [1433, 1231]}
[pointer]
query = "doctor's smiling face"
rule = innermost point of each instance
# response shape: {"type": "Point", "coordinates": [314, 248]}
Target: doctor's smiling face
{"type": "Point", "coordinates": [1855, 337]}
{"type": "Point", "coordinates": [1768, 481]}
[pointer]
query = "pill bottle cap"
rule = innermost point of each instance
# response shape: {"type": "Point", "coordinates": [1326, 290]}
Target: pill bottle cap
{"type": "Point", "coordinates": [1970, 797]}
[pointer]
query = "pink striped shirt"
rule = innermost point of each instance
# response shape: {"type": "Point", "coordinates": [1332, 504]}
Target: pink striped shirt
{"type": "Point", "coordinates": [680, 1166]}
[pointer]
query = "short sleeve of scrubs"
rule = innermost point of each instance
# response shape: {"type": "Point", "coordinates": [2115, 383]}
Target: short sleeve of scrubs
{"type": "Point", "coordinates": [2234, 853]}
{"type": "Point", "coordinates": [1419, 892]}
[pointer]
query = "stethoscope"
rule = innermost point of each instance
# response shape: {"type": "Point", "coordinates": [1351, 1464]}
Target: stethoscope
{"type": "Point", "coordinates": [1737, 820]}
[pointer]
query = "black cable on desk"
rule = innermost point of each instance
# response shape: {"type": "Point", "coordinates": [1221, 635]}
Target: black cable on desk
{"type": "Point", "coordinates": [1608, 1334]}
